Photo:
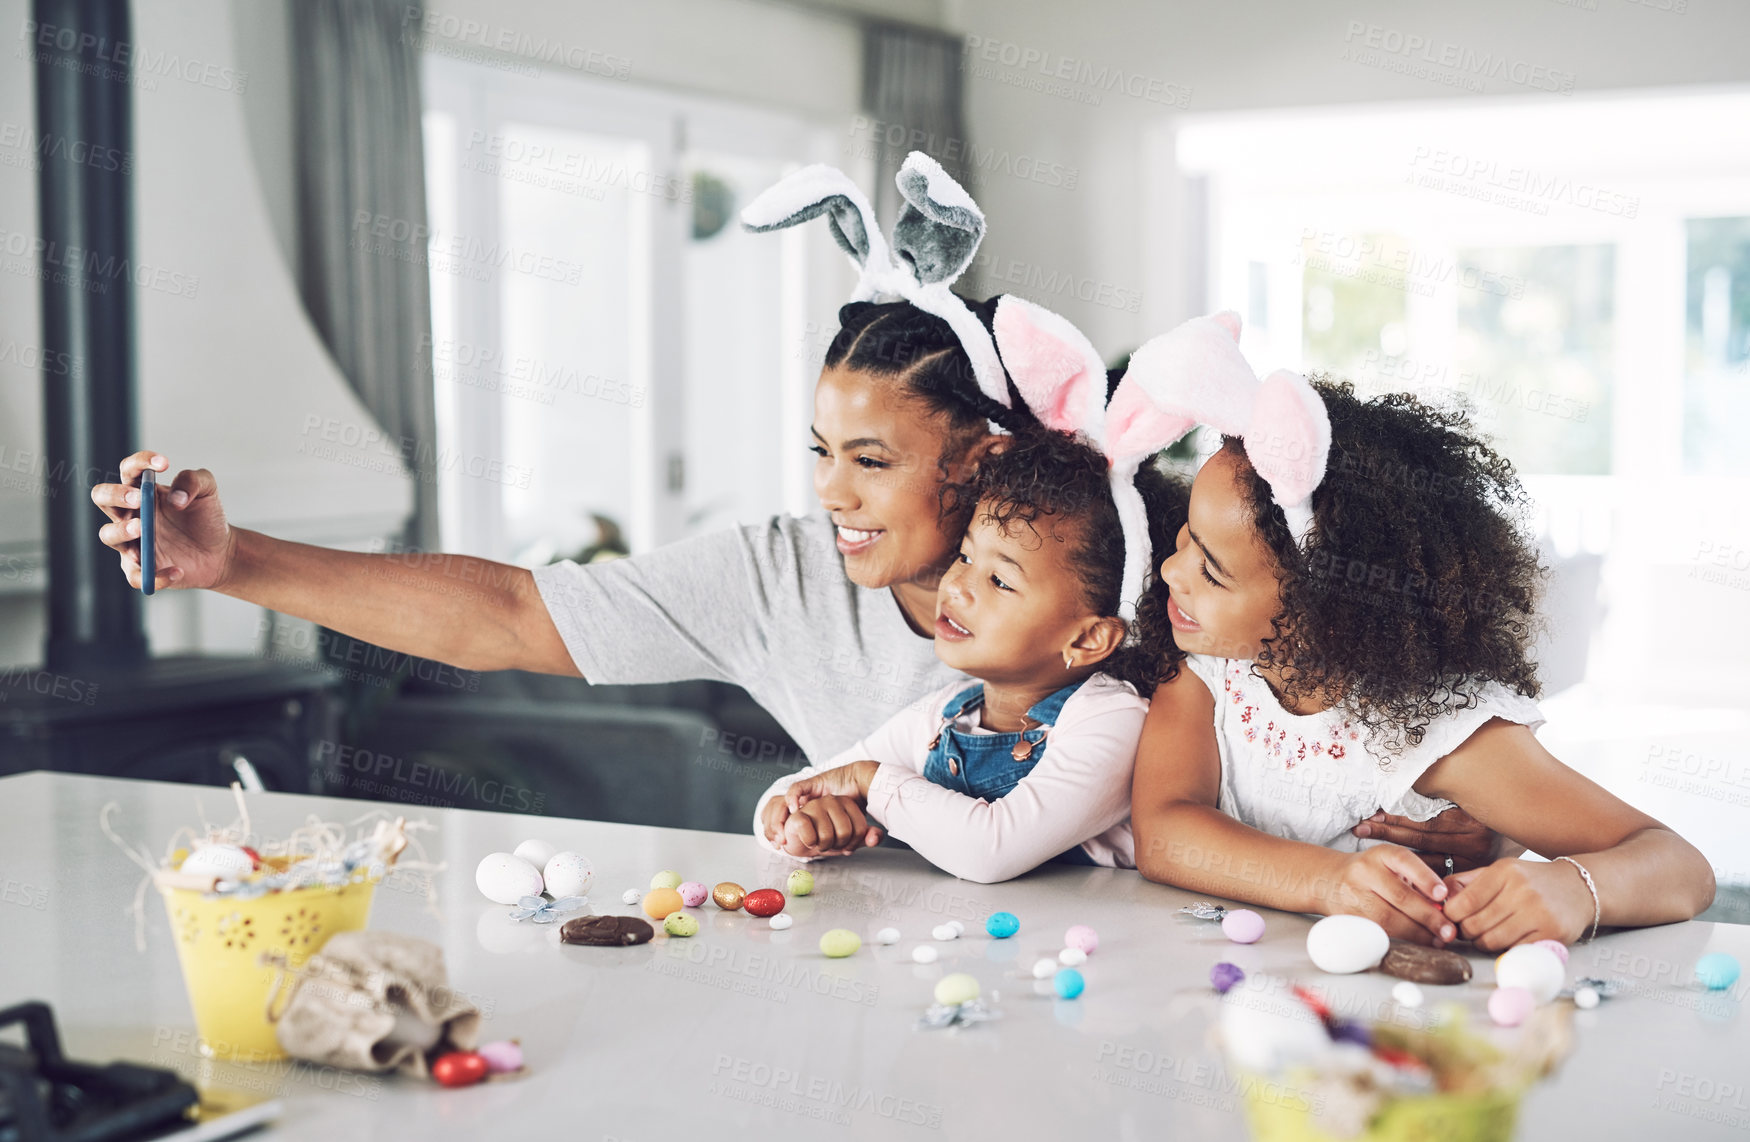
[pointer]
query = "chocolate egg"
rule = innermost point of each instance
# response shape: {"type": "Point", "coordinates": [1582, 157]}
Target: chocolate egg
{"type": "Point", "coordinates": [763, 902]}
{"type": "Point", "coordinates": [667, 878]}
{"type": "Point", "coordinates": [660, 902]}
{"type": "Point", "coordinates": [681, 924]}
{"type": "Point", "coordinates": [729, 895]}
{"type": "Point", "coordinates": [693, 893]}
{"type": "Point", "coordinates": [1002, 925]}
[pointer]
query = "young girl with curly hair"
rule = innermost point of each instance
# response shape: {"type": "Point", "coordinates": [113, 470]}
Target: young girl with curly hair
{"type": "Point", "coordinates": [1354, 598]}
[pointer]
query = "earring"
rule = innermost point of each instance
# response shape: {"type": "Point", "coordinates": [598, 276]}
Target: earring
{"type": "Point", "coordinates": [1068, 662]}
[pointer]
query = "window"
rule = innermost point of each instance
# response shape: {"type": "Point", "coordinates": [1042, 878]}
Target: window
{"type": "Point", "coordinates": [1716, 386]}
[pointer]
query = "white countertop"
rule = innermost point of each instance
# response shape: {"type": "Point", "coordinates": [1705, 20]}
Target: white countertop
{"type": "Point", "coordinates": [743, 1032]}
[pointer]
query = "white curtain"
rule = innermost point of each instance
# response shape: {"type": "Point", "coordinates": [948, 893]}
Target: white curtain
{"type": "Point", "coordinates": [912, 89]}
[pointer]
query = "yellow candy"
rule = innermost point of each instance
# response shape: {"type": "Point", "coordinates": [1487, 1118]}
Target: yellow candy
{"type": "Point", "coordinates": [839, 943]}
{"type": "Point", "coordinates": [660, 902]}
{"type": "Point", "coordinates": [801, 882]}
{"type": "Point", "coordinates": [955, 989]}
{"type": "Point", "coordinates": [681, 924]}
{"type": "Point", "coordinates": [667, 878]}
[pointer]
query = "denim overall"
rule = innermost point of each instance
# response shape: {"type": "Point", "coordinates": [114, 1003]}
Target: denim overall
{"type": "Point", "coordinates": [984, 765]}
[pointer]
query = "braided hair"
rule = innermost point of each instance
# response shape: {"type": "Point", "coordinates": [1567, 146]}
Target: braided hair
{"type": "Point", "coordinates": [897, 339]}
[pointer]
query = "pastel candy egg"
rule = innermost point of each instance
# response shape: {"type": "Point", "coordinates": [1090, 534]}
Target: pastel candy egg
{"type": "Point", "coordinates": [923, 954]}
{"type": "Point", "coordinates": [953, 990]}
{"type": "Point", "coordinates": [631, 896]}
{"type": "Point", "coordinates": [1406, 994]}
{"type": "Point", "coordinates": [503, 878]}
{"type": "Point", "coordinates": [1586, 998]}
{"type": "Point", "coordinates": [959, 928]}
{"type": "Point", "coordinates": [1002, 925]}
{"type": "Point", "coordinates": [502, 1057]}
{"type": "Point", "coordinates": [763, 902]}
{"type": "Point", "coordinates": [230, 862]}
{"type": "Point", "coordinates": [728, 895]}
{"type": "Point", "coordinates": [1556, 947]}
{"type": "Point", "coordinates": [887, 936]}
{"type": "Point", "coordinates": [693, 893]}
{"type": "Point", "coordinates": [1082, 938]}
{"type": "Point", "coordinates": [660, 903]}
{"type": "Point", "coordinates": [681, 924]}
{"type": "Point", "coordinates": [1068, 983]}
{"type": "Point", "coordinates": [1345, 944]}
{"type": "Point", "coordinates": [537, 853]}
{"type": "Point", "coordinates": [1242, 926]}
{"type": "Point", "coordinates": [1509, 1006]}
{"type": "Point", "coordinates": [781, 921]}
{"type": "Point", "coordinates": [667, 878]}
{"type": "Point", "coordinates": [568, 874]}
{"type": "Point", "coordinates": [800, 882]}
{"type": "Point", "coordinates": [1224, 975]}
{"type": "Point", "coordinates": [945, 932]}
{"type": "Point", "coordinates": [1044, 969]}
{"type": "Point", "coordinates": [1533, 968]}
{"type": "Point", "coordinates": [1716, 971]}
{"type": "Point", "coordinates": [1072, 957]}
{"type": "Point", "coordinates": [839, 943]}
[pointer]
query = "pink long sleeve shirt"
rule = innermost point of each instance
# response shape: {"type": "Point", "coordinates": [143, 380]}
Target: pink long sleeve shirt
{"type": "Point", "coordinates": [1078, 793]}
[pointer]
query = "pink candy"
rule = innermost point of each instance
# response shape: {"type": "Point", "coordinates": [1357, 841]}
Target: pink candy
{"type": "Point", "coordinates": [502, 1057]}
{"type": "Point", "coordinates": [1509, 1006]}
{"type": "Point", "coordinates": [693, 893]}
{"type": "Point", "coordinates": [1082, 938]}
{"type": "Point", "coordinates": [1242, 926]}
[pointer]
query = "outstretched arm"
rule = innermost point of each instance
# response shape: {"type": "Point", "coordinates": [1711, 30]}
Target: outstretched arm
{"type": "Point", "coordinates": [1644, 872]}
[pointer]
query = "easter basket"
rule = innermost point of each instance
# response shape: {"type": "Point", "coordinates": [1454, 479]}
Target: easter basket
{"type": "Point", "coordinates": [1486, 1117]}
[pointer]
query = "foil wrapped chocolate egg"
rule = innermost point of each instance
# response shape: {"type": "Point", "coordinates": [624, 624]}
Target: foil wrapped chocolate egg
{"type": "Point", "coordinates": [729, 895]}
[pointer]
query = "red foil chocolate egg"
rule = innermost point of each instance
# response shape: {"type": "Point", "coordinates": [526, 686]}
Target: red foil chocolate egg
{"type": "Point", "coordinates": [764, 902]}
{"type": "Point", "coordinates": [459, 1068]}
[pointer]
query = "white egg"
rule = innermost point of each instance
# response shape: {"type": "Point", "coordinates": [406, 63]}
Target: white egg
{"type": "Point", "coordinates": [505, 879]}
{"type": "Point", "coordinates": [923, 954]}
{"type": "Point", "coordinates": [631, 896]}
{"type": "Point", "coordinates": [1586, 998]}
{"type": "Point", "coordinates": [1044, 969]}
{"type": "Point", "coordinates": [887, 936]}
{"type": "Point", "coordinates": [945, 932]}
{"type": "Point", "coordinates": [1344, 944]}
{"type": "Point", "coordinates": [537, 853]}
{"type": "Point", "coordinates": [227, 862]}
{"type": "Point", "coordinates": [781, 921]}
{"type": "Point", "coordinates": [1072, 957]}
{"type": "Point", "coordinates": [1264, 1036]}
{"type": "Point", "coordinates": [1406, 994]}
{"type": "Point", "coordinates": [1536, 969]}
{"type": "Point", "coordinates": [567, 874]}
{"type": "Point", "coordinates": [959, 928]}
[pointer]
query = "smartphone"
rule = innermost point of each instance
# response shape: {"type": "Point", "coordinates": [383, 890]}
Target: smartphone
{"type": "Point", "coordinates": [148, 530]}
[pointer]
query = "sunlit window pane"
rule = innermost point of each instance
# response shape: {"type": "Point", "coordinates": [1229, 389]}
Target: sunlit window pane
{"type": "Point", "coordinates": [1716, 386]}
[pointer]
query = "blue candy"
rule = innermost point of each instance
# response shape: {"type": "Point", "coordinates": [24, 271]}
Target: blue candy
{"type": "Point", "coordinates": [1069, 983]}
{"type": "Point", "coordinates": [1716, 971]}
{"type": "Point", "coordinates": [1002, 925]}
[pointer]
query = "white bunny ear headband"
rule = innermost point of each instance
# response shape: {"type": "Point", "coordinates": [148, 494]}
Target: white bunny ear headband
{"type": "Point", "coordinates": [1197, 371]}
{"type": "Point", "coordinates": [1063, 381]}
{"type": "Point", "coordinates": [937, 232]}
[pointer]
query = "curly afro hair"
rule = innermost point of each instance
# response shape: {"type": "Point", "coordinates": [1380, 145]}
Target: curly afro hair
{"type": "Point", "coordinates": [1060, 487]}
{"type": "Point", "coordinates": [1418, 581]}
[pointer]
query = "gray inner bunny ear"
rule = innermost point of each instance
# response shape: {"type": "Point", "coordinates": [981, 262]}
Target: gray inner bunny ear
{"type": "Point", "coordinates": [935, 251]}
{"type": "Point", "coordinates": [843, 219]}
{"type": "Point", "coordinates": [914, 185]}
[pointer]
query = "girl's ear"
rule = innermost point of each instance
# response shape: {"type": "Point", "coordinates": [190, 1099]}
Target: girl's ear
{"type": "Point", "coordinates": [1098, 640]}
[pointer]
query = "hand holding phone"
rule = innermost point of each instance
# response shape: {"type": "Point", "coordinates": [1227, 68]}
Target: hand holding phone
{"type": "Point", "coordinates": [148, 530]}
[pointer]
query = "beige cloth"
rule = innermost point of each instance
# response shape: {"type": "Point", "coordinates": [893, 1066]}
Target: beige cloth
{"type": "Point", "coordinates": [372, 1001]}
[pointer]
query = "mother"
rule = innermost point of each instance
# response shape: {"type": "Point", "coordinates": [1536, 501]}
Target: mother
{"type": "Point", "coordinates": [824, 619]}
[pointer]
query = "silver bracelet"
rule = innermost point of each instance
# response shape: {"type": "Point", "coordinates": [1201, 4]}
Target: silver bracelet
{"type": "Point", "coordinates": [1590, 887]}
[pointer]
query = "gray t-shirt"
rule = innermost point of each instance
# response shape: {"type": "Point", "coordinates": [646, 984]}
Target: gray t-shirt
{"type": "Point", "coordinates": [766, 607]}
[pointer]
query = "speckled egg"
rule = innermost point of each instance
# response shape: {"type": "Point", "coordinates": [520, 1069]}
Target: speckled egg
{"type": "Point", "coordinates": [781, 921]}
{"type": "Point", "coordinates": [631, 896]}
{"type": "Point", "coordinates": [1068, 983]}
{"type": "Point", "coordinates": [537, 853]}
{"type": "Point", "coordinates": [839, 943]}
{"type": "Point", "coordinates": [800, 882]}
{"type": "Point", "coordinates": [681, 924]}
{"type": "Point", "coordinates": [660, 903]}
{"type": "Point", "coordinates": [1509, 1006]}
{"type": "Point", "coordinates": [568, 874]}
{"type": "Point", "coordinates": [1716, 971]}
{"type": "Point", "coordinates": [1002, 925]}
{"type": "Point", "coordinates": [667, 878]}
{"type": "Point", "coordinates": [728, 895]}
{"type": "Point", "coordinates": [693, 893]}
{"type": "Point", "coordinates": [503, 878]}
{"type": "Point", "coordinates": [763, 902]}
{"type": "Point", "coordinates": [1242, 926]}
{"type": "Point", "coordinates": [1083, 938]}
{"type": "Point", "coordinates": [953, 990]}
{"type": "Point", "coordinates": [1345, 944]}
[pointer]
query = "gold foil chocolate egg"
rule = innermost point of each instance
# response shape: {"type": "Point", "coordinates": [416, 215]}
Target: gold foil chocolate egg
{"type": "Point", "coordinates": [729, 895]}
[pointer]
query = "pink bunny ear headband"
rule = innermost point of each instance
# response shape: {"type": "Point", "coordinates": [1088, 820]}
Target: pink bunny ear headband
{"type": "Point", "coordinates": [937, 232]}
{"type": "Point", "coordinates": [1063, 381]}
{"type": "Point", "coordinates": [1196, 371]}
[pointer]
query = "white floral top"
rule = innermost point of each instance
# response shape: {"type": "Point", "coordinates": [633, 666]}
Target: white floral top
{"type": "Point", "coordinates": [1311, 777]}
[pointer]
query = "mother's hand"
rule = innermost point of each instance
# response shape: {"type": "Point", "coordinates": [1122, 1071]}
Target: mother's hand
{"type": "Point", "coordinates": [1454, 833]}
